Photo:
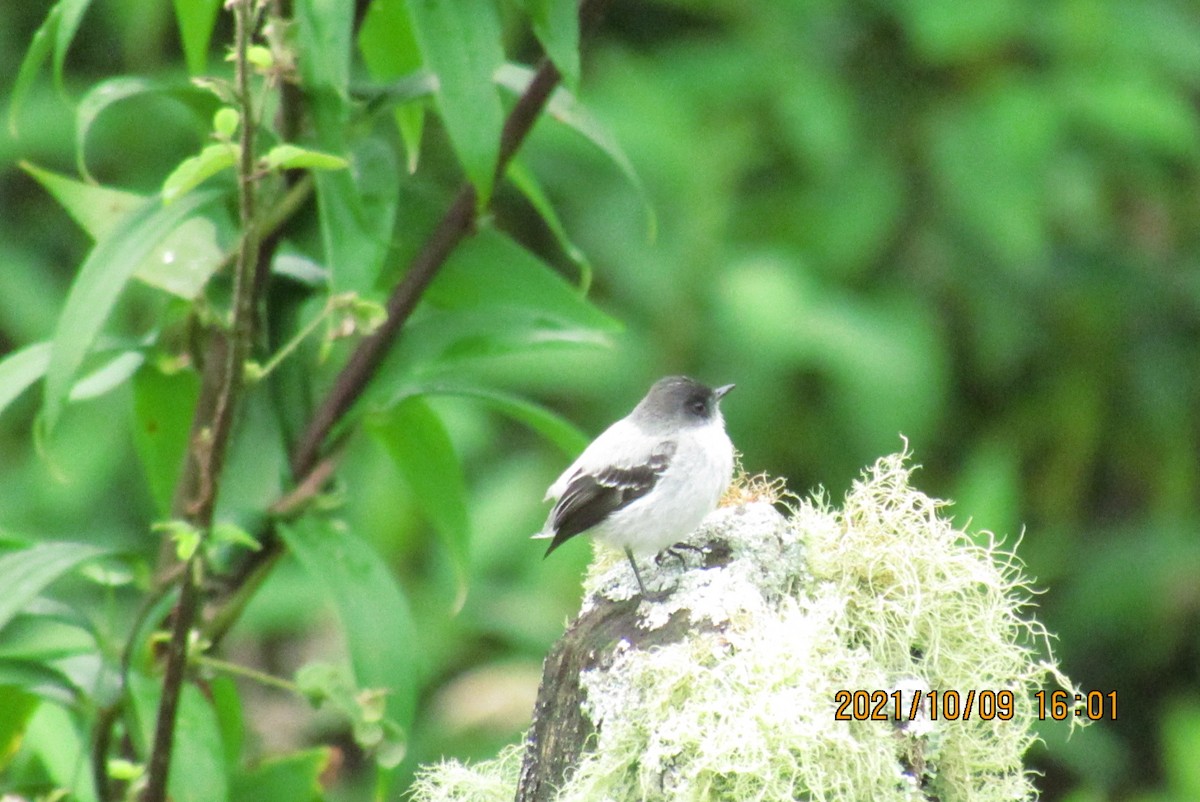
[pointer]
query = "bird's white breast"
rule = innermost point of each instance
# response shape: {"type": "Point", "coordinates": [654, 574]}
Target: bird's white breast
{"type": "Point", "coordinates": [687, 492]}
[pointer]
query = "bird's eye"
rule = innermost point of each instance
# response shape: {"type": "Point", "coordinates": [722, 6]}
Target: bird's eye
{"type": "Point", "coordinates": [698, 408]}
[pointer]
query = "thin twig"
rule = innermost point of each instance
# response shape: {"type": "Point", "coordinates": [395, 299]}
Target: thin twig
{"type": "Point", "coordinates": [456, 224]}
{"type": "Point", "coordinates": [309, 468]}
{"type": "Point", "coordinates": [197, 495]}
{"type": "Point", "coordinates": [365, 359]}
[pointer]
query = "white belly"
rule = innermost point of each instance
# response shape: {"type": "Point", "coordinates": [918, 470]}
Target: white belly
{"type": "Point", "coordinates": [680, 501]}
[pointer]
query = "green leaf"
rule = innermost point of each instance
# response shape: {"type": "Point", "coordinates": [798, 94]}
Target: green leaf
{"type": "Point", "coordinates": [558, 430]}
{"type": "Point", "coordinates": [324, 32]}
{"type": "Point", "coordinates": [566, 109]}
{"type": "Point", "coordinates": [490, 270]}
{"type": "Point", "coordinates": [556, 25]}
{"type": "Point", "coordinates": [124, 770]}
{"type": "Point", "coordinates": [295, 777]}
{"type": "Point", "coordinates": [1181, 739]}
{"type": "Point", "coordinates": [288, 156]}
{"type": "Point", "coordinates": [20, 369]}
{"type": "Point", "coordinates": [493, 299]}
{"type": "Point", "coordinates": [26, 572]}
{"type": "Point", "coordinates": [114, 90]}
{"type": "Point", "coordinates": [97, 209]}
{"type": "Point", "coordinates": [185, 535]}
{"type": "Point", "coordinates": [194, 170]}
{"type": "Point", "coordinates": [54, 737]}
{"type": "Point", "coordinates": [1142, 115]}
{"type": "Point", "coordinates": [234, 535]}
{"type": "Point", "coordinates": [60, 25]}
{"type": "Point", "coordinates": [163, 404]}
{"type": "Point", "coordinates": [197, 772]}
{"type": "Point", "coordinates": [527, 183]}
{"type": "Point", "coordinates": [227, 704]}
{"type": "Point", "coordinates": [460, 42]}
{"type": "Point", "coordinates": [37, 678]}
{"type": "Point", "coordinates": [357, 214]}
{"type": "Point", "coordinates": [226, 121]}
{"type": "Point", "coordinates": [107, 377]}
{"type": "Point", "coordinates": [389, 49]}
{"type": "Point", "coordinates": [47, 635]}
{"type": "Point", "coordinates": [16, 708]}
{"type": "Point", "coordinates": [68, 26]}
{"type": "Point", "coordinates": [181, 264]}
{"type": "Point", "coordinates": [380, 634]}
{"type": "Point", "coordinates": [187, 257]}
{"type": "Point", "coordinates": [446, 344]}
{"type": "Point", "coordinates": [99, 284]}
{"type": "Point", "coordinates": [944, 31]}
{"type": "Point", "coordinates": [323, 35]}
{"type": "Point", "coordinates": [196, 19]}
{"type": "Point", "coordinates": [35, 56]}
{"type": "Point", "coordinates": [416, 440]}
{"type": "Point", "coordinates": [260, 56]}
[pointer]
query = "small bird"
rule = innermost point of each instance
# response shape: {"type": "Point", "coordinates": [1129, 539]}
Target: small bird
{"type": "Point", "coordinates": [649, 479]}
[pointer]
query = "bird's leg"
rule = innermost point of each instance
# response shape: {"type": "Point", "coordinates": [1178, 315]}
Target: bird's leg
{"type": "Point", "coordinates": [636, 574]}
{"type": "Point", "coordinates": [647, 595]}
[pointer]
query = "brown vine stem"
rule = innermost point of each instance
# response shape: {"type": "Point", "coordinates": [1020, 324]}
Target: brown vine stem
{"type": "Point", "coordinates": [311, 465]}
{"type": "Point", "coordinates": [221, 389]}
{"type": "Point", "coordinates": [456, 224]}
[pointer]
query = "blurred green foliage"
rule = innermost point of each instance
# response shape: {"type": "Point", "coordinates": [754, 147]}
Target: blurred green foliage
{"type": "Point", "coordinates": [970, 224]}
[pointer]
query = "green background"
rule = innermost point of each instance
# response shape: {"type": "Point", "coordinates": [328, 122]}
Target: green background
{"type": "Point", "coordinates": [971, 227]}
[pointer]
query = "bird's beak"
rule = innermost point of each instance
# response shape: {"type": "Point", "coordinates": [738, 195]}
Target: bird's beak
{"type": "Point", "coordinates": [720, 392]}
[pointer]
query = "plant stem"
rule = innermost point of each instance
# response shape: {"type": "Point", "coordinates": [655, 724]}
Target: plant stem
{"type": "Point", "coordinates": [221, 389]}
{"type": "Point", "coordinates": [456, 224]}
{"type": "Point", "coordinates": [261, 677]}
{"type": "Point", "coordinates": [310, 469]}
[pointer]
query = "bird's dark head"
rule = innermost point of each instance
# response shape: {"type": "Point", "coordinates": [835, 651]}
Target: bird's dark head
{"type": "Point", "coordinates": [682, 401]}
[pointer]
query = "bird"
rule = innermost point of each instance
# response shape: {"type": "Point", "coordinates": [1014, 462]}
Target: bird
{"type": "Point", "coordinates": [649, 479]}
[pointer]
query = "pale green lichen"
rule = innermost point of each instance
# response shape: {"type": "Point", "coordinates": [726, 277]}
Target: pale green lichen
{"type": "Point", "coordinates": [882, 593]}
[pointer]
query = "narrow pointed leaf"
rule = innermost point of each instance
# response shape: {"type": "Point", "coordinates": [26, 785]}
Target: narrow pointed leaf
{"type": "Point", "coordinates": [460, 43]}
{"type": "Point", "coordinates": [99, 284]}
{"type": "Point", "coordinates": [389, 49]}
{"type": "Point", "coordinates": [196, 19]}
{"type": "Point", "coordinates": [97, 209]}
{"type": "Point", "coordinates": [380, 634]}
{"type": "Point", "coordinates": [109, 376]}
{"type": "Point", "coordinates": [26, 572]}
{"type": "Point", "coordinates": [527, 183]}
{"type": "Point", "coordinates": [57, 30]}
{"type": "Point", "coordinates": [20, 370]}
{"type": "Point", "coordinates": [114, 90]}
{"type": "Point", "coordinates": [566, 109]}
{"type": "Point", "coordinates": [54, 737]}
{"type": "Point", "coordinates": [193, 171]}
{"type": "Point", "coordinates": [416, 440]}
{"type": "Point", "coordinates": [490, 270]}
{"type": "Point", "coordinates": [288, 156]}
{"type": "Point", "coordinates": [558, 430]}
{"type": "Point", "coordinates": [556, 26]}
{"type": "Point", "coordinates": [181, 264]}
{"type": "Point", "coordinates": [35, 56]}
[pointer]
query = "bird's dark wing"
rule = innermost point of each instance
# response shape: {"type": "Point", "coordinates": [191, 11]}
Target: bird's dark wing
{"type": "Point", "coordinates": [591, 497]}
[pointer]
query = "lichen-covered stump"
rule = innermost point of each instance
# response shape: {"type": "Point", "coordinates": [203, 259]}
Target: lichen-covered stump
{"type": "Point", "coordinates": [607, 628]}
{"type": "Point", "coordinates": [728, 688]}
